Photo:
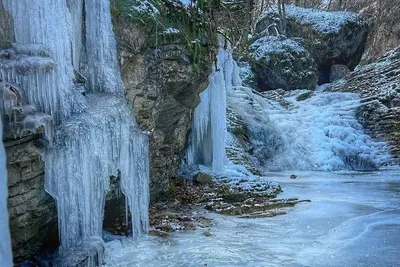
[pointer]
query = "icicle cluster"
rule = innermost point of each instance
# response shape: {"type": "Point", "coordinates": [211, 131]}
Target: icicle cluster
{"type": "Point", "coordinates": [53, 62]}
{"type": "Point", "coordinates": [49, 27]}
{"type": "Point", "coordinates": [5, 241]}
{"type": "Point", "coordinates": [102, 65]}
{"type": "Point", "coordinates": [207, 145]}
{"type": "Point", "coordinates": [88, 149]}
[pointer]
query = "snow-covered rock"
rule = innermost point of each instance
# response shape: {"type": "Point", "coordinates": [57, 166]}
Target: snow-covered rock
{"type": "Point", "coordinates": [282, 63]}
{"type": "Point", "coordinates": [331, 37]}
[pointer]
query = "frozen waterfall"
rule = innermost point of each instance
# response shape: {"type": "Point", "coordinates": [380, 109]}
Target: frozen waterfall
{"type": "Point", "coordinates": [318, 133]}
{"type": "Point", "coordinates": [207, 143]}
{"type": "Point", "coordinates": [5, 241]}
{"type": "Point", "coordinates": [62, 50]}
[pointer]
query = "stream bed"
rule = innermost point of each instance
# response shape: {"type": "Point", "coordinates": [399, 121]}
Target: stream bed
{"type": "Point", "coordinates": [353, 219]}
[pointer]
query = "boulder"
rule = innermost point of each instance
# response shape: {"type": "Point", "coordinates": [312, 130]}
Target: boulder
{"type": "Point", "coordinates": [338, 72]}
{"type": "Point", "coordinates": [203, 179]}
{"type": "Point", "coordinates": [282, 63]}
{"type": "Point", "coordinates": [378, 84]}
{"type": "Point", "coordinates": [331, 37]}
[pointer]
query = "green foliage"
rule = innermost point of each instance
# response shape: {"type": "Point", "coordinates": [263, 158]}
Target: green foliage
{"type": "Point", "coordinates": [196, 25]}
{"type": "Point", "coordinates": [134, 10]}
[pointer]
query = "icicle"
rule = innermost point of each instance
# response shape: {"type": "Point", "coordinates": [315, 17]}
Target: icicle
{"type": "Point", "coordinates": [89, 148]}
{"type": "Point", "coordinates": [46, 32]}
{"type": "Point", "coordinates": [5, 241]}
{"type": "Point", "coordinates": [95, 136]}
{"type": "Point", "coordinates": [209, 120]}
{"type": "Point", "coordinates": [102, 65]}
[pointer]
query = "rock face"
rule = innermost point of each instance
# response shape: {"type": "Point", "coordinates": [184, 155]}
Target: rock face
{"type": "Point", "coordinates": [5, 29]}
{"type": "Point", "coordinates": [33, 214]}
{"type": "Point", "coordinates": [282, 63]}
{"type": "Point", "coordinates": [330, 37]}
{"type": "Point", "coordinates": [378, 84]}
{"type": "Point", "coordinates": [162, 87]}
{"type": "Point", "coordinates": [338, 72]}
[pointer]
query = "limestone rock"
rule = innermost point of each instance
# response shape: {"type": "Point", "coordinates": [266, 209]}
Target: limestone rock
{"type": "Point", "coordinates": [162, 87]}
{"type": "Point", "coordinates": [203, 179]}
{"type": "Point", "coordinates": [5, 28]}
{"type": "Point", "coordinates": [378, 84]}
{"type": "Point", "coordinates": [330, 37]}
{"type": "Point", "coordinates": [338, 72]}
{"type": "Point", "coordinates": [282, 63]}
{"type": "Point", "coordinates": [32, 211]}
{"type": "Point", "coordinates": [158, 233]}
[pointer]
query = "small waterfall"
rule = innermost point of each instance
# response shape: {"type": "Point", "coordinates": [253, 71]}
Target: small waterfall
{"type": "Point", "coordinates": [65, 49]}
{"type": "Point", "coordinates": [207, 143]}
{"type": "Point", "coordinates": [5, 241]}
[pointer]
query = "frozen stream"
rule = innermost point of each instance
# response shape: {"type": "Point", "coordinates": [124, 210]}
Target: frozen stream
{"type": "Point", "coordinates": [353, 220]}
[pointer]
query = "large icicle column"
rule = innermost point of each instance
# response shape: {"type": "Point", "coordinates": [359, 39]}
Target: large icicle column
{"type": "Point", "coordinates": [5, 241]}
{"type": "Point", "coordinates": [69, 48]}
{"type": "Point", "coordinates": [207, 145]}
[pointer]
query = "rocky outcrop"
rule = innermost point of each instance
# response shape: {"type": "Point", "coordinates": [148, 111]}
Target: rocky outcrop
{"type": "Point", "coordinates": [330, 37]}
{"type": "Point", "coordinates": [338, 72]}
{"type": "Point", "coordinates": [162, 84]}
{"type": "Point", "coordinates": [282, 63]}
{"type": "Point", "coordinates": [378, 84]}
{"type": "Point", "coordinates": [5, 29]}
{"type": "Point", "coordinates": [32, 211]}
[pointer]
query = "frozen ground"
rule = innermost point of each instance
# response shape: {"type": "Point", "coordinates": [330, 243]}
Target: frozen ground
{"type": "Point", "coordinates": [353, 220]}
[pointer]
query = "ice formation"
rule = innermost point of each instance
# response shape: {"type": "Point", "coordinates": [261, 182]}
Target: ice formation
{"type": "Point", "coordinates": [60, 52]}
{"type": "Point", "coordinates": [88, 149]}
{"type": "Point", "coordinates": [319, 133]}
{"type": "Point", "coordinates": [207, 145]}
{"type": "Point", "coordinates": [5, 241]}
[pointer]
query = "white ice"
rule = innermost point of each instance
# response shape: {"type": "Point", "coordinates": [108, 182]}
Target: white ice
{"type": "Point", "coordinates": [95, 135]}
{"type": "Point", "coordinates": [319, 133]}
{"type": "Point", "coordinates": [6, 258]}
{"type": "Point", "coordinates": [207, 145]}
{"type": "Point", "coordinates": [353, 220]}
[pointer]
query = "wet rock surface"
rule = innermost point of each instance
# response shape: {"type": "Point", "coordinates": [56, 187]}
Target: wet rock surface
{"type": "Point", "coordinates": [193, 202]}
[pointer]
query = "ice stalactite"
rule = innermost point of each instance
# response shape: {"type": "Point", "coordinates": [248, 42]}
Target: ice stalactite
{"type": "Point", "coordinates": [102, 66]}
{"type": "Point", "coordinates": [208, 137]}
{"type": "Point", "coordinates": [60, 49]}
{"type": "Point", "coordinates": [89, 148]}
{"type": "Point", "coordinates": [5, 241]}
{"type": "Point", "coordinates": [50, 29]}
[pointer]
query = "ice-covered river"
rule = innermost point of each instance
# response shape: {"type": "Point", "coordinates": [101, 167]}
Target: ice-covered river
{"type": "Point", "coordinates": [353, 220]}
